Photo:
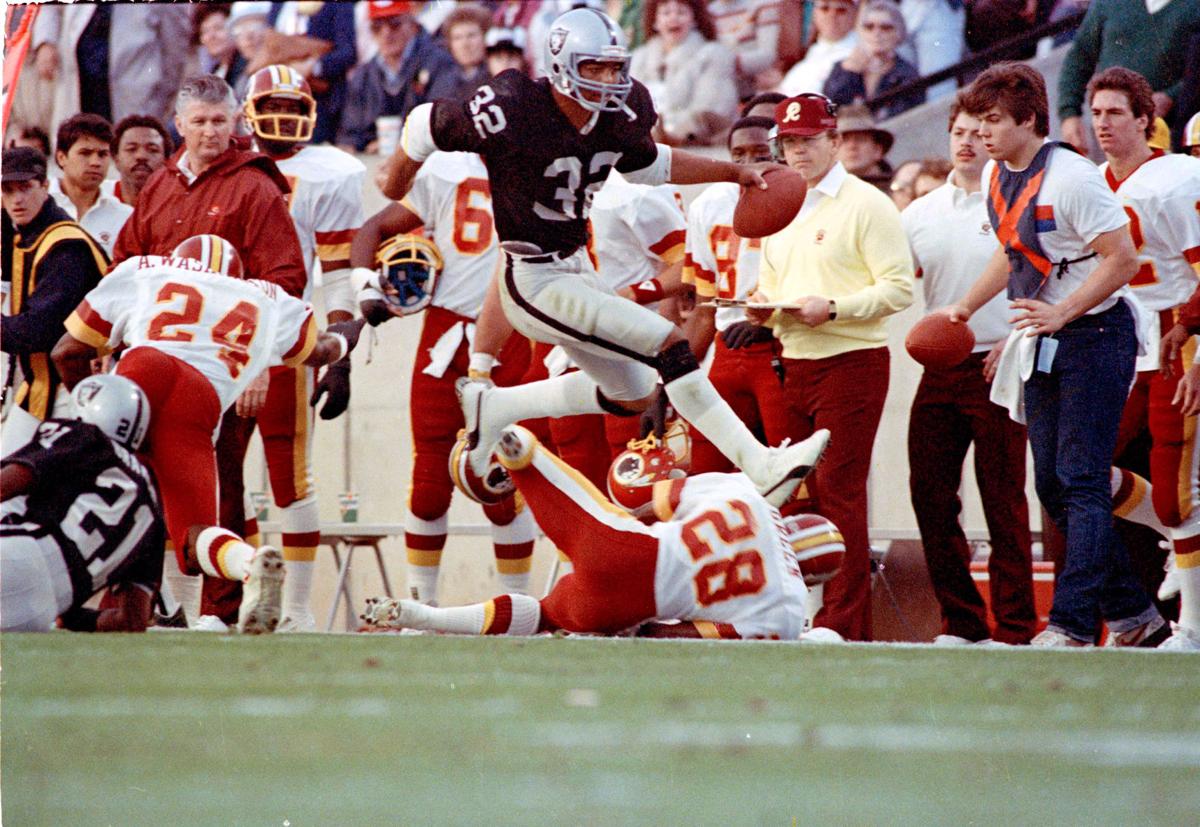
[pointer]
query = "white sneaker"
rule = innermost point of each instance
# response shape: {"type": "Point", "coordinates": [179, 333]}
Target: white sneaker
{"type": "Point", "coordinates": [1050, 639]}
{"type": "Point", "coordinates": [951, 640]}
{"type": "Point", "coordinates": [209, 623]}
{"type": "Point", "coordinates": [785, 467]}
{"type": "Point", "coordinates": [1182, 639]}
{"type": "Point", "coordinates": [300, 622]}
{"type": "Point", "coordinates": [1169, 587]}
{"type": "Point", "coordinates": [482, 434]}
{"type": "Point", "coordinates": [262, 593]}
{"type": "Point", "coordinates": [822, 634]}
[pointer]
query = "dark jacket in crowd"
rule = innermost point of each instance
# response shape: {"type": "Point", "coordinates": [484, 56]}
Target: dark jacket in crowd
{"type": "Point", "coordinates": [52, 263]}
{"type": "Point", "coordinates": [843, 87]}
{"type": "Point", "coordinates": [334, 23]}
{"type": "Point", "coordinates": [427, 73]}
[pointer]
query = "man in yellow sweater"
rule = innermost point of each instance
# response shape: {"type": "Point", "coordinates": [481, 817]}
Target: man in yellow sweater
{"type": "Point", "coordinates": [845, 263]}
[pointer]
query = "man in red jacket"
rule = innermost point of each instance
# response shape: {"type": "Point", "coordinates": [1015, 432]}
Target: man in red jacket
{"type": "Point", "coordinates": [215, 186]}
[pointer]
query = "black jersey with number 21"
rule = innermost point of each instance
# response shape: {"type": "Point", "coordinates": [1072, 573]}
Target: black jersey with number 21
{"type": "Point", "coordinates": [543, 172]}
{"type": "Point", "coordinates": [96, 500]}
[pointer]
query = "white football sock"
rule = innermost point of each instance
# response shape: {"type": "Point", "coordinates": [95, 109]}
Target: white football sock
{"type": "Point", "coordinates": [223, 554]}
{"type": "Point", "coordinates": [301, 534]}
{"type": "Point", "coordinates": [424, 540]}
{"type": "Point", "coordinates": [508, 614]}
{"type": "Point", "coordinates": [699, 403]}
{"type": "Point", "coordinates": [185, 587]}
{"type": "Point", "coordinates": [566, 395]}
{"type": "Point", "coordinates": [1132, 501]}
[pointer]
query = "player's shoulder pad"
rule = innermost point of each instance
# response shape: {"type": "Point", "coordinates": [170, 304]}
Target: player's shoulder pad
{"type": "Point", "coordinates": [714, 198]}
{"type": "Point", "coordinates": [453, 167]}
{"type": "Point", "coordinates": [513, 90]}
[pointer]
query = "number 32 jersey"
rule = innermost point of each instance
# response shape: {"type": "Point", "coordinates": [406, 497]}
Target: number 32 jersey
{"type": "Point", "coordinates": [228, 329]}
{"type": "Point", "coordinates": [722, 559]}
{"type": "Point", "coordinates": [543, 171]}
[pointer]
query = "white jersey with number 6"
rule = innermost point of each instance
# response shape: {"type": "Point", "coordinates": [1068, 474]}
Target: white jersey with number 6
{"type": "Point", "coordinates": [228, 329]}
{"type": "Point", "coordinates": [719, 262]}
{"type": "Point", "coordinates": [722, 559]}
{"type": "Point", "coordinates": [451, 196]}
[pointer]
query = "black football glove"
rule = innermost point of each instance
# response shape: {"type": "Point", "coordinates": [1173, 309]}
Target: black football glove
{"type": "Point", "coordinates": [654, 418]}
{"type": "Point", "coordinates": [375, 311]}
{"type": "Point", "coordinates": [336, 382]}
{"type": "Point", "coordinates": [742, 334]}
{"type": "Point", "coordinates": [350, 328]}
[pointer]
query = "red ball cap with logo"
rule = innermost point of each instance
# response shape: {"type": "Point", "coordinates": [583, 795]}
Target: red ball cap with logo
{"type": "Point", "coordinates": [378, 9]}
{"type": "Point", "coordinates": [807, 114]}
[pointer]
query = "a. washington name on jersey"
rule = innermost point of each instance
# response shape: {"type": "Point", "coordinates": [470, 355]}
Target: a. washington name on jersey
{"type": "Point", "coordinates": [451, 196]}
{"type": "Point", "coordinates": [719, 262]}
{"type": "Point", "coordinates": [228, 329]}
{"type": "Point", "coordinates": [543, 171]}
{"type": "Point", "coordinates": [95, 500]}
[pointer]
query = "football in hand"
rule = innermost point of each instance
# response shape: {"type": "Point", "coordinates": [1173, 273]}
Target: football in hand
{"type": "Point", "coordinates": [761, 213]}
{"type": "Point", "coordinates": [938, 342]}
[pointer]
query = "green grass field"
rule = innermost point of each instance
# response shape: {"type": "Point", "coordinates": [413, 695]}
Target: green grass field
{"type": "Point", "coordinates": [190, 728]}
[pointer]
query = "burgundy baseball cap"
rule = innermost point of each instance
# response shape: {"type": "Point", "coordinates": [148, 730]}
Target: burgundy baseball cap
{"type": "Point", "coordinates": [807, 114]}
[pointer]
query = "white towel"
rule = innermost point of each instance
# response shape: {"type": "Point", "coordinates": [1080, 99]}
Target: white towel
{"type": "Point", "coordinates": [443, 351]}
{"type": "Point", "coordinates": [1013, 369]}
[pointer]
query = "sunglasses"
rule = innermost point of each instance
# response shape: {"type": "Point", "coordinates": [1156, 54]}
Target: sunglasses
{"type": "Point", "coordinates": [833, 8]}
{"type": "Point", "coordinates": [386, 23]}
{"type": "Point", "coordinates": [882, 27]}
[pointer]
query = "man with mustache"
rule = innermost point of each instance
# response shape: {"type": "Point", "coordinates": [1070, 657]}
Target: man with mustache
{"type": "Point", "coordinates": [952, 240]}
{"type": "Point", "coordinates": [140, 145]}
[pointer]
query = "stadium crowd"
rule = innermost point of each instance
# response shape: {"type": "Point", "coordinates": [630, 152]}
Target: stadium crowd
{"type": "Point", "coordinates": [133, 130]}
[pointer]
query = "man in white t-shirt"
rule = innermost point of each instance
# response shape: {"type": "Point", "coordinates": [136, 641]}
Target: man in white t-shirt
{"type": "Point", "coordinates": [951, 240]}
{"type": "Point", "coordinates": [1067, 258]}
{"type": "Point", "coordinates": [83, 154]}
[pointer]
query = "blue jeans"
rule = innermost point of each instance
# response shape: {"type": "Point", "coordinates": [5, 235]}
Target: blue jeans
{"type": "Point", "coordinates": [1073, 413]}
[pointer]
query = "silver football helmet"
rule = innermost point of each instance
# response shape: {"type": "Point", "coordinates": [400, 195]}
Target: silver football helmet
{"type": "Point", "coordinates": [581, 35]}
{"type": "Point", "coordinates": [115, 405]}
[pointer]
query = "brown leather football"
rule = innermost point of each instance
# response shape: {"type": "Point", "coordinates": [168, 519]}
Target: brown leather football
{"type": "Point", "coordinates": [937, 342]}
{"type": "Point", "coordinates": [761, 213]}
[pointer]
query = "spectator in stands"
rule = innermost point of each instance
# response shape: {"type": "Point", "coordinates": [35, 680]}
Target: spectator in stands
{"type": "Point", "coordinates": [993, 21]}
{"type": "Point", "coordinates": [410, 69]}
{"type": "Point", "coordinates": [750, 29]}
{"type": "Point", "coordinates": [325, 70]}
{"type": "Point", "coordinates": [845, 262]}
{"type": "Point", "coordinates": [1126, 33]}
{"type": "Point", "coordinates": [903, 187]}
{"type": "Point", "coordinates": [1191, 136]}
{"type": "Point", "coordinates": [84, 153]}
{"type": "Point", "coordinates": [874, 67]}
{"type": "Point", "coordinates": [32, 136]}
{"type": "Point", "coordinates": [140, 145]}
{"type": "Point", "coordinates": [52, 263]}
{"type": "Point", "coordinates": [690, 74]}
{"type": "Point", "coordinates": [952, 241]}
{"type": "Point", "coordinates": [505, 50]}
{"type": "Point", "coordinates": [833, 39]}
{"type": "Point", "coordinates": [111, 59]}
{"type": "Point", "coordinates": [935, 39]}
{"type": "Point", "coordinates": [248, 26]}
{"type": "Point", "coordinates": [218, 53]}
{"type": "Point", "coordinates": [931, 175]}
{"type": "Point", "coordinates": [465, 29]}
{"type": "Point", "coordinates": [864, 146]}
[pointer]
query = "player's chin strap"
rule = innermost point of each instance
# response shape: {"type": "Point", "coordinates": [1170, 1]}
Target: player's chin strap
{"type": "Point", "coordinates": [591, 124]}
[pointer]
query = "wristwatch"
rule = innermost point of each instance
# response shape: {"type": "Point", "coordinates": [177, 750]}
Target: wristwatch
{"type": "Point", "coordinates": [832, 310]}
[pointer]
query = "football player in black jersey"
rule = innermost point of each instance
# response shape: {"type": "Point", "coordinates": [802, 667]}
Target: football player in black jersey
{"type": "Point", "coordinates": [548, 146]}
{"type": "Point", "coordinates": [80, 513]}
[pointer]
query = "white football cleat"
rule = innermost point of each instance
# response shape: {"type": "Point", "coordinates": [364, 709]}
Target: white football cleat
{"type": "Point", "coordinates": [482, 434]}
{"type": "Point", "coordinates": [262, 593]}
{"type": "Point", "coordinates": [209, 623]}
{"type": "Point", "coordinates": [384, 613]}
{"type": "Point", "coordinates": [297, 623]}
{"type": "Point", "coordinates": [822, 634]}
{"type": "Point", "coordinates": [1169, 587]}
{"type": "Point", "coordinates": [785, 466]}
{"type": "Point", "coordinates": [1182, 639]}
